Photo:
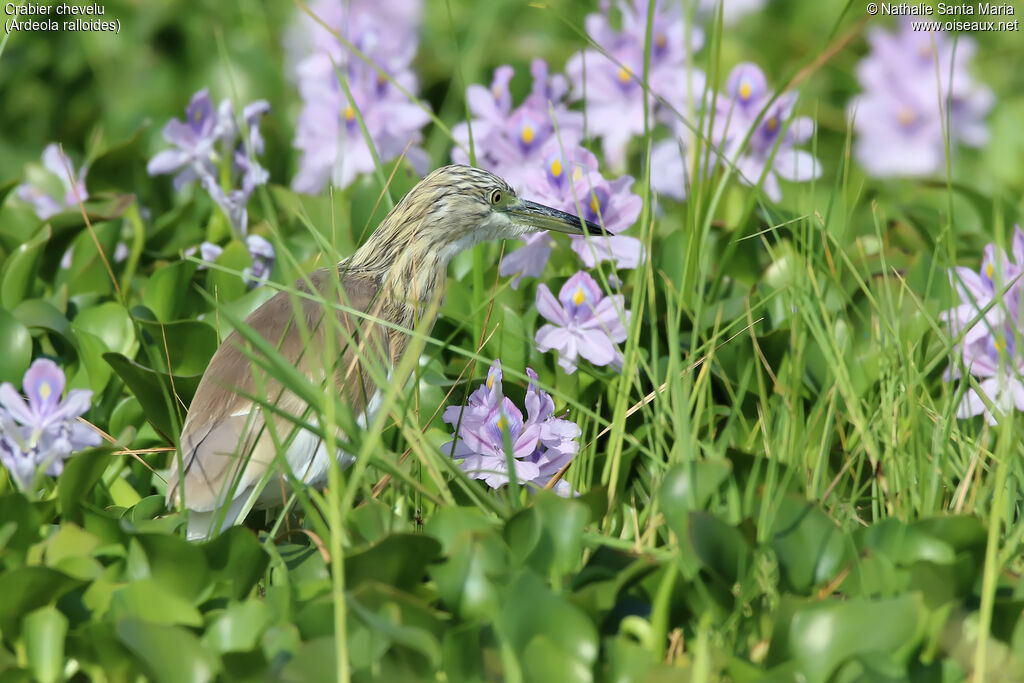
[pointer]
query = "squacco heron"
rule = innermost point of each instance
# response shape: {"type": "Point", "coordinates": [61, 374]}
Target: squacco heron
{"type": "Point", "coordinates": [227, 451]}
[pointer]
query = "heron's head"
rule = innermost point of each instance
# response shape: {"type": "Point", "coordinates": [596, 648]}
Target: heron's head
{"type": "Point", "coordinates": [456, 207]}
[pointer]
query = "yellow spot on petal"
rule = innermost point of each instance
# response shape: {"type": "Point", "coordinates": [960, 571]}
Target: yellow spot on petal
{"type": "Point", "coordinates": [625, 75]}
{"type": "Point", "coordinates": [660, 41]}
{"type": "Point", "coordinates": [577, 173]}
{"type": "Point", "coordinates": [556, 168]}
{"type": "Point", "coordinates": [773, 123]}
{"type": "Point", "coordinates": [490, 381]}
{"type": "Point", "coordinates": [496, 91]}
{"type": "Point", "coordinates": [350, 113]}
{"type": "Point", "coordinates": [990, 270]}
{"type": "Point", "coordinates": [502, 424]}
{"type": "Point", "coordinates": [527, 134]}
{"type": "Point", "coordinates": [381, 79]}
{"type": "Point", "coordinates": [999, 344]}
{"type": "Point", "coordinates": [579, 296]}
{"type": "Point", "coordinates": [595, 205]}
{"type": "Point", "coordinates": [745, 90]}
{"type": "Point", "coordinates": [45, 390]}
{"type": "Point", "coordinates": [906, 116]}
{"type": "Point", "coordinates": [198, 116]}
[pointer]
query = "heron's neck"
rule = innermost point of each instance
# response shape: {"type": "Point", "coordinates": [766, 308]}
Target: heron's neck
{"type": "Point", "coordinates": [411, 274]}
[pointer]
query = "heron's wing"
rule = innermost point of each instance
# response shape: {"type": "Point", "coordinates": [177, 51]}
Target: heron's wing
{"type": "Point", "coordinates": [225, 444]}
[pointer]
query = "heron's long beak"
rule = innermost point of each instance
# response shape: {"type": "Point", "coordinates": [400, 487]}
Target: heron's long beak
{"type": "Point", "coordinates": [545, 218]}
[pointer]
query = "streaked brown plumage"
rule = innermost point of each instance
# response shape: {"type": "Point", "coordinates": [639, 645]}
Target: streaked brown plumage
{"type": "Point", "coordinates": [226, 447]}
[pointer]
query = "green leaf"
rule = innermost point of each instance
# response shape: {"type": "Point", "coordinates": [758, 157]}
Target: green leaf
{"type": "Point", "coordinates": [543, 660]}
{"type": "Point", "coordinates": [810, 547]}
{"type": "Point", "coordinates": [418, 639]}
{"type": "Point", "coordinates": [44, 631]}
{"type": "Point", "coordinates": [145, 383]}
{"type": "Point", "coordinates": [28, 588]}
{"type": "Point", "coordinates": [89, 273]}
{"type": "Point", "coordinates": [689, 486]}
{"type": "Point", "coordinates": [820, 635]}
{"type": "Point", "coordinates": [400, 560]}
{"type": "Point", "coordinates": [226, 286]}
{"type": "Point", "coordinates": [119, 166]}
{"type": "Point", "coordinates": [40, 314]}
{"type": "Point", "coordinates": [112, 324]}
{"type": "Point", "coordinates": [18, 275]}
{"type": "Point", "coordinates": [720, 548]}
{"type": "Point", "coordinates": [530, 609]}
{"type": "Point", "coordinates": [169, 653]}
{"type": "Point", "coordinates": [239, 627]}
{"type": "Point", "coordinates": [548, 535]}
{"type": "Point", "coordinates": [236, 560]}
{"type": "Point", "coordinates": [449, 522]}
{"type": "Point", "coordinates": [188, 344]}
{"type": "Point", "coordinates": [468, 580]}
{"type": "Point", "coordinates": [19, 523]}
{"type": "Point", "coordinates": [77, 481]}
{"type": "Point", "coordinates": [177, 565]}
{"type": "Point", "coordinates": [149, 600]}
{"type": "Point", "coordinates": [16, 343]}
{"type": "Point", "coordinates": [165, 290]}
{"type": "Point", "coordinates": [94, 372]}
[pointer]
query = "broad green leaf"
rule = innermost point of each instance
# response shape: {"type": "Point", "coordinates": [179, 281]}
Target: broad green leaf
{"type": "Point", "coordinates": [399, 560]}
{"type": "Point", "coordinates": [112, 324]}
{"type": "Point", "coordinates": [149, 600]}
{"type": "Point", "coordinates": [530, 608]}
{"type": "Point", "coordinates": [28, 588]}
{"type": "Point", "coordinates": [44, 631]}
{"type": "Point", "coordinates": [177, 565]}
{"type": "Point", "coordinates": [239, 627]}
{"type": "Point", "coordinates": [236, 561]}
{"type": "Point", "coordinates": [16, 343]}
{"type": "Point", "coordinates": [820, 635]}
{"type": "Point", "coordinates": [225, 286]}
{"type": "Point", "coordinates": [688, 486]}
{"type": "Point", "coordinates": [187, 344]}
{"type": "Point", "coordinates": [39, 314]}
{"type": "Point", "coordinates": [78, 480]}
{"type": "Point", "coordinates": [145, 383]}
{"type": "Point", "coordinates": [720, 548]}
{"type": "Point", "coordinates": [18, 275]}
{"type": "Point", "coordinates": [170, 654]}
{"type": "Point", "coordinates": [94, 372]}
{"type": "Point", "coordinates": [810, 547]}
{"type": "Point", "coordinates": [166, 288]}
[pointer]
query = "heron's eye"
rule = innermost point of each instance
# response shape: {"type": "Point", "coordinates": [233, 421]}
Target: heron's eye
{"type": "Point", "coordinates": [496, 197]}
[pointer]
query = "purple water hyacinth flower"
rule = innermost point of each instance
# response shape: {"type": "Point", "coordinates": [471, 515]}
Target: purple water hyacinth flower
{"type": "Point", "coordinates": [763, 150]}
{"type": "Point", "coordinates": [194, 141]}
{"type": "Point", "coordinates": [584, 323]}
{"type": "Point", "coordinates": [201, 143]}
{"type": "Point", "coordinates": [569, 180]}
{"type": "Point", "coordinates": [613, 87]}
{"type": "Point", "coordinates": [673, 176]}
{"type": "Point", "coordinates": [613, 205]}
{"type": "Point", "coordinates": [511, 142]}
{"type": "Point", "coordinates": [541, 444]}
{"type": "Point", "coordinates": [334, 148]}
{"type": "Point", "coordinates": [42, 432]}
{"type": "Point", "coordinates": [989, 344]}
{"type": "Point", "coordinates": [261, 253]}
{"type": "Point", "coordinates": [41, 194]}
{"type": "Point", "coordinates": [263, 256]}
{"type": "Point", "coordinates": [912, 80]}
